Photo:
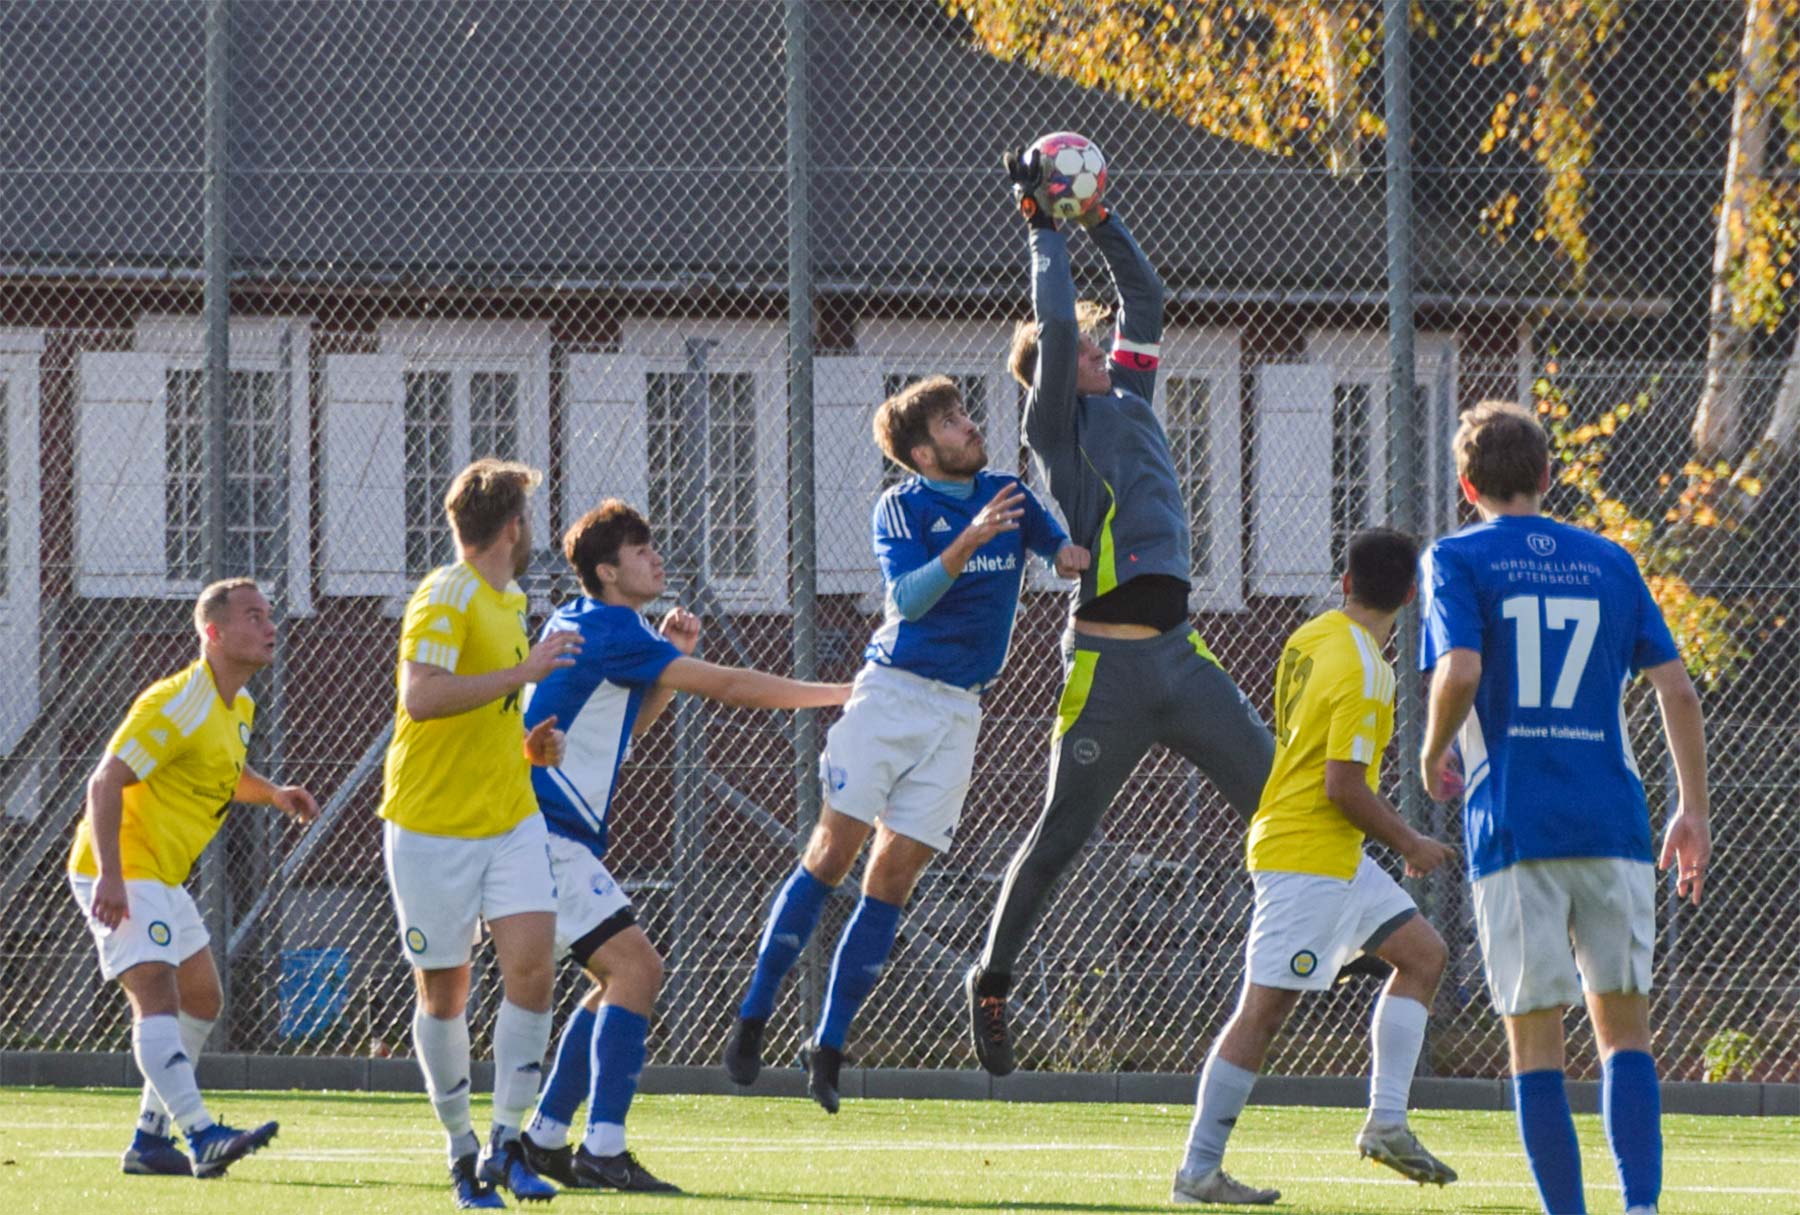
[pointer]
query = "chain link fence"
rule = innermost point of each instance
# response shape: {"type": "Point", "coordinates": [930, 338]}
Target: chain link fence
{"type": "Point", "coordinates": [670, 251]}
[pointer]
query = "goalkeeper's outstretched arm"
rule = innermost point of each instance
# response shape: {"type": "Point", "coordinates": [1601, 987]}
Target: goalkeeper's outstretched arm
{"type": "Point", "coordinates": [1137, 345]}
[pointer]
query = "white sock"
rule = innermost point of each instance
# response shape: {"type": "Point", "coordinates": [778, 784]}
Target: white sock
{"type": "Point", "coordinates": [548, 1132]}
{"type": "Point", "coordinates": [521, 1039]}
{"type": "Point", "coordinates": [1397, 1034]}
{"type": "Point", "coordinates": [1224, 1091]}
{"type": "Point", "coordinates": [604, 1139]}
{"type": "Point", "coordinates": [153, 1115]}
{"type": "Point", "coordinates": [156, 1044]}
{"type": "Point", "coordinates": [443, 1049]}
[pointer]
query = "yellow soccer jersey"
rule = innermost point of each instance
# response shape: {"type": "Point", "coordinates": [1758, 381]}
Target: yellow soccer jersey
{"type": "Point", "coordinates": [1334, 699]}
{"type": "Point", "coordinates": [465, 775]}
{"type": "Point", "coordinates": [187, 747]}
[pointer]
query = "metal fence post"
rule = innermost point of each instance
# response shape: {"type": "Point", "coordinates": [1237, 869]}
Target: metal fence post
{"type": "Point", "coordinates": [694, 461]}
{"type": "Point", "coordinates": [802, 532]}
{"type": "Point", "coordinates": [217, 305]}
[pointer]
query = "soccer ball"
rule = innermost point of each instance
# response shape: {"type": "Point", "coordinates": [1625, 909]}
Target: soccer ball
{"type": "Point", "coordinates": [1074, 174]}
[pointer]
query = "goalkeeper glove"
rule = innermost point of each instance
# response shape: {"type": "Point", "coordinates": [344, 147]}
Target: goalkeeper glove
{"type": "Point", "coordinates": [1026, 172]}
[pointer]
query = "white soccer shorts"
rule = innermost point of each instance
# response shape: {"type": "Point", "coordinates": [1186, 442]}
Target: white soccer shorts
{"type": "Point", "coordinates": [1306, 926]}
{"type": "Point", "coordinates": [1550, 929]}
{"type": "Point", "coordinates": [586, 894]}
{"type": "Point", "coordinates": [444, 886]}
{"type": "Point", "coordinates": [902, 754]}
{"type": "Point", "coordinates": [161, 924]}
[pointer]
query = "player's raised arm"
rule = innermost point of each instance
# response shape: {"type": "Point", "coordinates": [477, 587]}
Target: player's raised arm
{"type": "Point", "coordinates": [1050, 404]}
{"type": "Point", "coordinates": [1137, 341]}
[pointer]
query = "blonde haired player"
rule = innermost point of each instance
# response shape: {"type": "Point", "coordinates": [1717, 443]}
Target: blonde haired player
{"type": "Point", "coordinates": [464, 841]}
{"type": "Point", "coordinates": [1319, 899]}
{"type": "Point", "coordinates": [171, 770]}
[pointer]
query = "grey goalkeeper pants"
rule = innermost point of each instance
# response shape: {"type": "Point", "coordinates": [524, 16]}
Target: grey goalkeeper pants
{"type": "Point", "coordinates": [1118, 698]}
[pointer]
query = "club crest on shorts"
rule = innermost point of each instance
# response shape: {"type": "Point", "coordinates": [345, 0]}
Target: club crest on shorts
{"type": "Point", "coordinates": [159, 933]}
{"type": "Point", "coordinates": [244, 733]}
{"type": "Point", "coordinates": [602, 885]}
{"type": "Point", "coordinates": [1085, 750]}
{"type": "Point", "coordinates": [1304, 963]}
{"type": "Point", "coordinates": [415, 940]}
{"type": "Point", "coordinates": [836, 777]}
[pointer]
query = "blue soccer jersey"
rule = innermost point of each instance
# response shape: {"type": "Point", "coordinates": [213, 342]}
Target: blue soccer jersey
{"type": "Point", "coordinates": [1562, 620]}
{"type": "Point", "coordinates": [963, 638]}
{"type": "Point", "coordinates": [595, 703]}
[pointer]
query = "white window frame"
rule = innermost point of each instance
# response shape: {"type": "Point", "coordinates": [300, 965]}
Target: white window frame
{"type": "Point", "coordinates": [1360, 356]}
{"type": "Point", "coordinates": [464, 348]}
{"type": "Point", "coordinates": [255, 346]}
{"type": "Point", "coordinates": [1214, 354]}
{"type": "Point", "coordinates": [20, 353]}
{"type": "Point", "coordinates": [757, 349]}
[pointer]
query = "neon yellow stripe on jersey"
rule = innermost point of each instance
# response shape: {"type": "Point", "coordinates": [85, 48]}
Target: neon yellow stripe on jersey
{"type": "Point", "coordinates": [1200, 647]}
{"type": "Point", "coordinates": [1075, 692]}
{"type": "Point", "coordinates": [1106, 570]}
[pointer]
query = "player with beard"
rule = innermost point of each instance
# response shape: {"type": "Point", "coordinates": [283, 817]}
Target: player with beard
{"type": "Point", "coordinates": [463, 840]}
{"type": "Point", "coordinates": [952, 541]}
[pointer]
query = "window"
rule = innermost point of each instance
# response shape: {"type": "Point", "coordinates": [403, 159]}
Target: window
{"type": "Point", "coordinates": [1350, 472]}
{"type": "Point", "coordinates": [1189, 422]}
{"type": "Point", "coordinates": [974, 390]}
{"type": "Point", "coordinates": [255, 473]}
{"type": "Point", "coordinates": [430, 457]}
{"type": "Point", "coordinates": [494, 414]}
{"type": "Point", "coordinates": [429, 467]}
{"type": "Point", "coordinates": [703, 469]}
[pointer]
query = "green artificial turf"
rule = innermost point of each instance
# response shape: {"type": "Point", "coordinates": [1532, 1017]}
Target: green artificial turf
{"type": "Point", "coordinates": [374, 1154]}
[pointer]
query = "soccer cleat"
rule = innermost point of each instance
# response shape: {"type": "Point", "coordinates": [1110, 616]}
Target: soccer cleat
{"type": "Point", "coordinates": [218, 1147]}
{"type": "Point", "coordinates": [621, 1172]}
{"type": "Point", "coordinates": [155, 1156]}
{"type": "Point", "coordinates": [511, 1169]}
{"type": "Point", "coordinates": [557, 1163]}
{"type": "Point", "coordinates": [743, 1050]}
{"type": "Point", "coordinates": [469, 1191]}
{"type": "Point", "coordinates": [1398, 1148]}
{"type": "Point", "coordinates": [822, 1066]}
{"type": "Point", "coordinates": [1221, 1188]}
{"type": "Point", "coordinates": [987, 1024]}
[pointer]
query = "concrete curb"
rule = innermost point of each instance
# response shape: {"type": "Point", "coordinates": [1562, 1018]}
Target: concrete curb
{"type": "Point", "coordinates": [55, 1069]}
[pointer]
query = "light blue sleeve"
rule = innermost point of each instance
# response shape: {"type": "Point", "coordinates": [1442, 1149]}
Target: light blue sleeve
{"type": "Point", "coordinates": [917, 592]}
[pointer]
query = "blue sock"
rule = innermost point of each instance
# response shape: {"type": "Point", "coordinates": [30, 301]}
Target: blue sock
{"type": "Point", "coordinates": [568, 1082]}
{"type": "Point", "coordinates": [861, 953]}
{"type": "Point", "coordinates": [618, 1062]}
{"type": "Point", "coordinates": [1548, 1130]}
{"type": "Point", "coordinates": [1632, 1107]}
{"type": "Point", "coordinates": [792, 918]}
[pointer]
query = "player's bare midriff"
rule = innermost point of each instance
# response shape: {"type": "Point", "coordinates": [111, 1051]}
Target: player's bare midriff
{"type": "Point", "coordinates": [1118, 632]}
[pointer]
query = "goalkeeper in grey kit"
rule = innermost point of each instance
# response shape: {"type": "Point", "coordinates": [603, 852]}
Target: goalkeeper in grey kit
{"type": "Point", "coordinates": [1136, 672]}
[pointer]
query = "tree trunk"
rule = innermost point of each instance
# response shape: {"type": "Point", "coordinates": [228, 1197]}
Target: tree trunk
{"type": "Point", "coordinates": [1343, 141]}
{"type": "Point", "coordinates": [1774, 452]}
{"type": "Point", "coordinates": [1718, 431]}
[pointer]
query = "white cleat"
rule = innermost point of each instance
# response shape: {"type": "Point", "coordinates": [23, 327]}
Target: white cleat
{"type": "Point", "coordinates": [1220, 1188]}
{"type": "Point", "coordinates": [1400, 1149]}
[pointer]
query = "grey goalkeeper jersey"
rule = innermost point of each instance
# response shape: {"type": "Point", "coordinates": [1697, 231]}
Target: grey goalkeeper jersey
{"type": "Point", "coordinates": [1105, 458]}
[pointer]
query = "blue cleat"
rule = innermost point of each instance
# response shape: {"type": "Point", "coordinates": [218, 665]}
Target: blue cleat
{"type": "Point", "coordinates": [218, 1147]}
{"type": "Point", "coordinates": [508, 1168]}
{"type": "Point", "coordinates": [155, 1156]}
{"type": "Point", "coordinates": [469, 1191]}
